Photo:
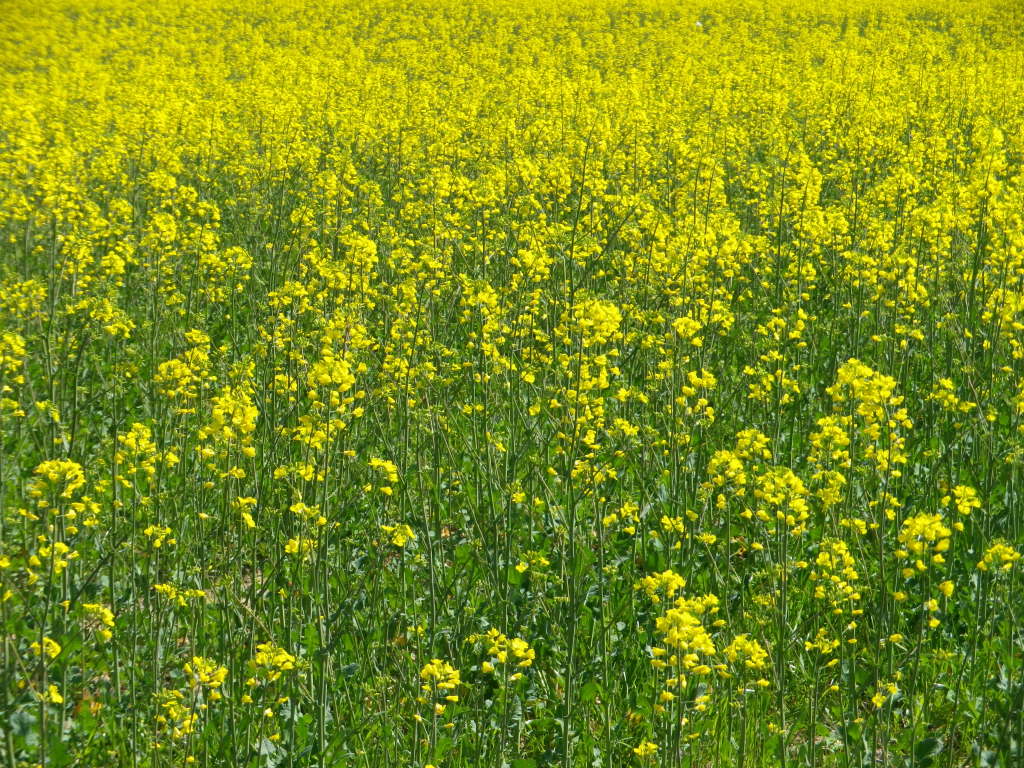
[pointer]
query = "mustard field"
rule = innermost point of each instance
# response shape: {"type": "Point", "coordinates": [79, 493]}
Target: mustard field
{"type": "Point", "coordinates": [511, 383]}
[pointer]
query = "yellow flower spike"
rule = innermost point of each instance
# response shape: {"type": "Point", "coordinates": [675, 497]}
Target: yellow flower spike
{"type": "Point", "coordinates": [400, 535]}
{"type": "Point", "coordinates": [49, 647]}
{"type": "Point", "coordinates": [645, 749]}
{"type": "Point", "coordinates": [999, 554]}
{"type": "Point", "coordinates": [276, 253]}
{"type": "Point", "coordinates": [52, 695]}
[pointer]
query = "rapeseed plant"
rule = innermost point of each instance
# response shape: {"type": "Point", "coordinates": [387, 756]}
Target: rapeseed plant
{"type": "Point", "coordinates": [511, 383]}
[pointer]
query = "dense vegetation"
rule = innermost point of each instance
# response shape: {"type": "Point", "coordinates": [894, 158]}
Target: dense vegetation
{"type": "Point", "coordinates": [517, 384]}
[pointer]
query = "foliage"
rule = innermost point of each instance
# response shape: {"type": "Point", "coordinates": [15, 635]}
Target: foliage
{"type": "Point", "coordinates": [589, 383]}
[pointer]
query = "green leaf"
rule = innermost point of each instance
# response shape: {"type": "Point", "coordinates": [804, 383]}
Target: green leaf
{"type": "Point", "coordinates": [515, 578]}
{"type": "Point", "coordinates": [926, 749]}
{"type": "Point", "coordinates": [773, 746]}
{"type": "Point", "coordinates": [463, 554]}
{"type": "Point", "coordinates": [589, 691]}
{"type": "Point", "coordinates": [442, 748]}
{"type": "Point", "coordinates": [23, 727]}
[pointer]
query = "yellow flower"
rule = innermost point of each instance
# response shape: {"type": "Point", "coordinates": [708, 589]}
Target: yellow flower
{"type": "Point", "coordinates": [271, 661]}
{"type": "Point", "coordinates": [645, 749]}
{"type": "Point", "coordinates": [205, 673]}
{"type": "Point", "coordinates": [49, 646]}
{"type": "Point", "coordinates": [400, 534]}
{"type": "Point", "coordinates": [1000, 554]}
{"type": "Point", "coordinates": [52, 695]}
{"type": "Point", "coordinates": [966, 499]}
{"type": "Point", "coordinates": [299, 545]}
{"type": "Point", "coordinates": [742, 647]}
